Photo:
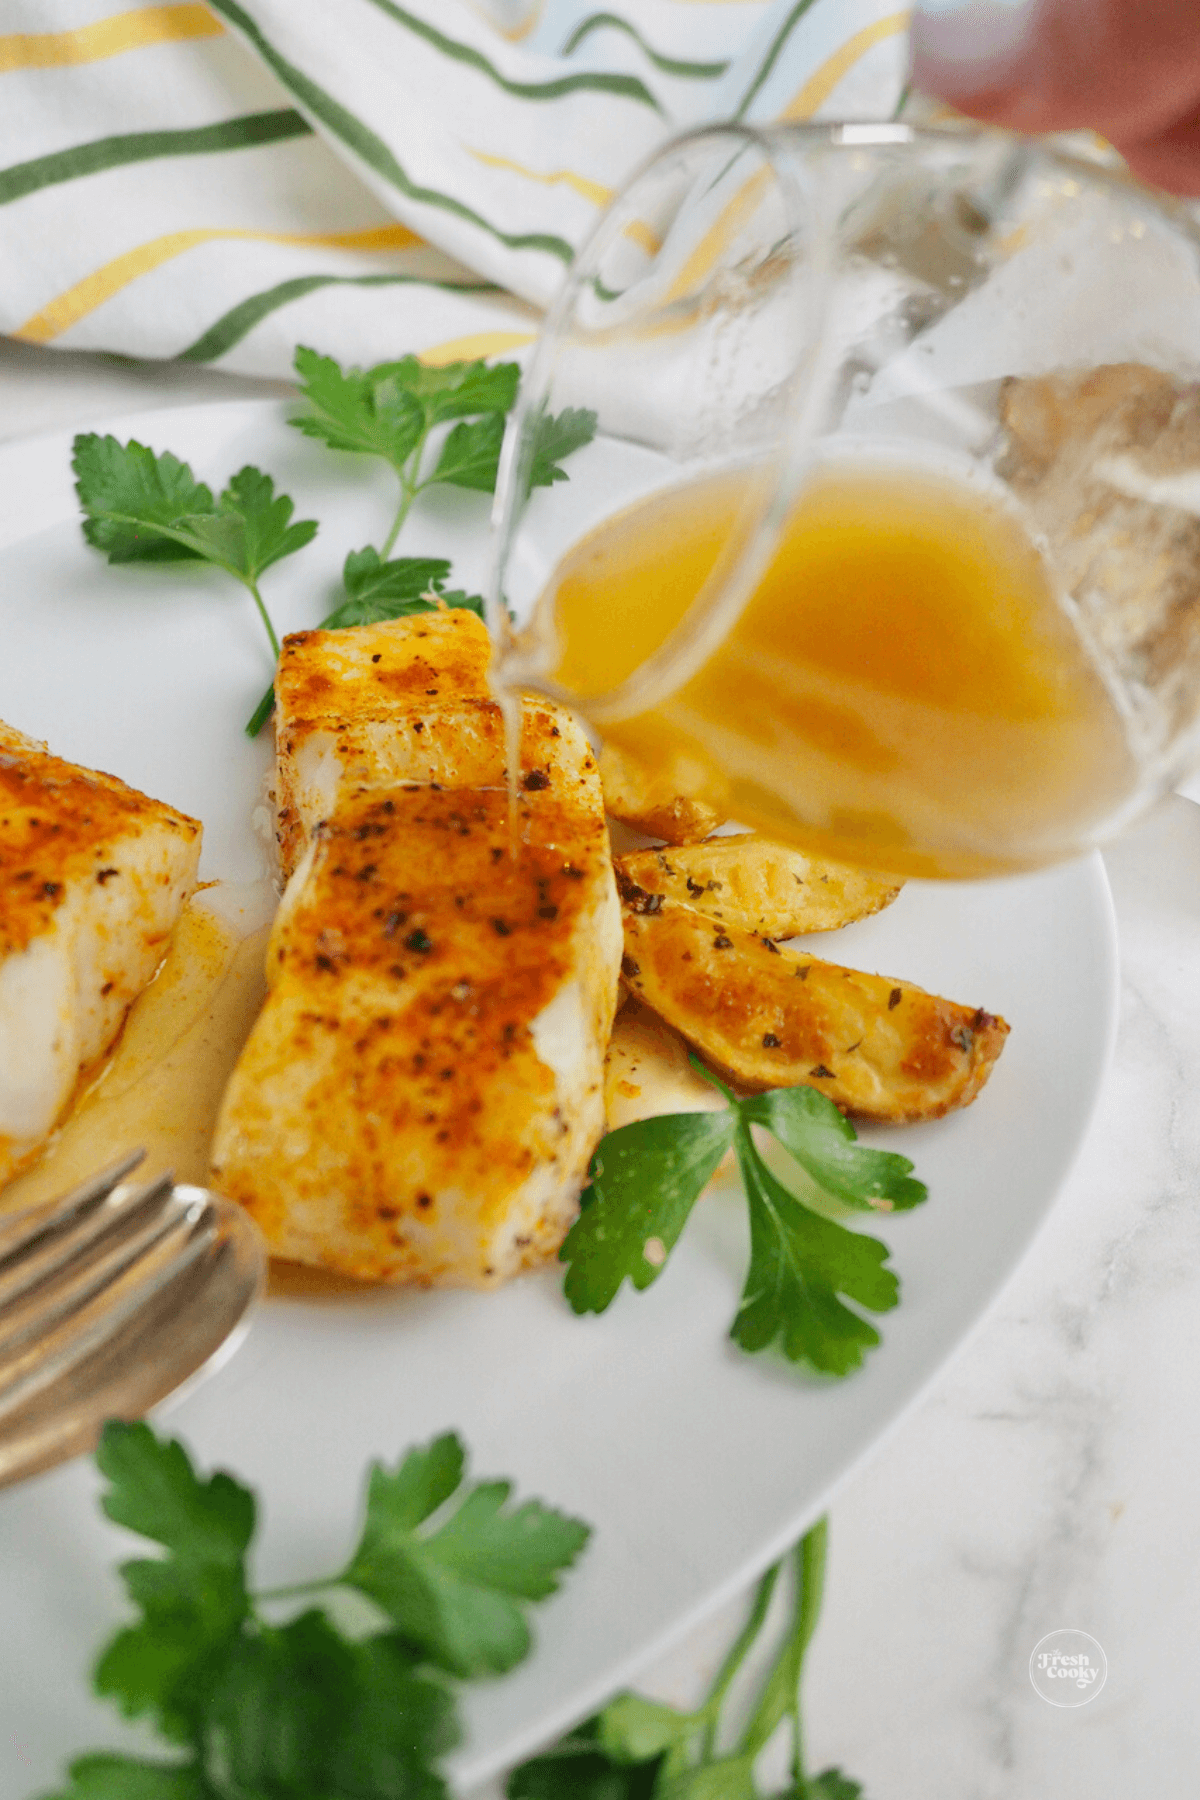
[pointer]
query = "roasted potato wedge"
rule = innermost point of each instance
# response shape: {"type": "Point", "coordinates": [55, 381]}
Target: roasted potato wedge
{"type": "Point", "coordinates": [659, 805]}
{"type": "Point", "coordinates": [879, 1048]}
{"type": "Point", "coordinates": [754, 883]}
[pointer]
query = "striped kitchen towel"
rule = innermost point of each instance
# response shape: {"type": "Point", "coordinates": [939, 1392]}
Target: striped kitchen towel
{"type": "Point", "coordinates": [217, 182]}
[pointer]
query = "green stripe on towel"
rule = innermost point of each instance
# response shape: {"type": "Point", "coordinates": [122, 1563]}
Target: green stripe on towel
{"type": "Point", "coordinates": [670, 65]}
{"type": "Point", "coordinates": [773, 54]}
{"type": "Point", "coordinates": [373, 151]}
{"type": "Point", "coordinates": [241, 319]}
{"type": "Point", "coordinates": [592, 81]}
{"type": "Point", "coordinates": [246, 133]}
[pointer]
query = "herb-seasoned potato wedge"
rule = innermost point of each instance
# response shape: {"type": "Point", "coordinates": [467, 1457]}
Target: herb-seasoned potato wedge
{"type": "Point", "coordinates": [754, 883]}
{"type": "Point", "coordinates": [879, 1048]}
{"type": "Point", "coordinates": [659, 805]}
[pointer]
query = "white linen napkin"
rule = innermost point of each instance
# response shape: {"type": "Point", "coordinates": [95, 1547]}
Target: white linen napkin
{"type": "Point", "coordinates": [219, 182]}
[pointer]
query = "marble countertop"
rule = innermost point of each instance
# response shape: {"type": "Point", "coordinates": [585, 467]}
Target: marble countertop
{"type": "Point", "coordinates": [1051, 1476]}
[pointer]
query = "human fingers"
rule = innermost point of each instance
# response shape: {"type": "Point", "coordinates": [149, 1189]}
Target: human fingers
{"type": "Point", "coordinates": [1129, 69]}
{"type": "Point", "coordinates": [1171, 159]}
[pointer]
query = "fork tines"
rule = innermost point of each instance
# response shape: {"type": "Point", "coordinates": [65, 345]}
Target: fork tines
{"type": "Point", "coordinates": [76, 1270]}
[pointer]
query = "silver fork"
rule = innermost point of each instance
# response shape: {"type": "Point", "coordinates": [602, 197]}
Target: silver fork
{"type": "Point", "coordinates": [111, 1296]}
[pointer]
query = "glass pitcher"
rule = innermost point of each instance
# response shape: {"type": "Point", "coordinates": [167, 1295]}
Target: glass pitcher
{"type": "Point", "coordinates": [888, 541]}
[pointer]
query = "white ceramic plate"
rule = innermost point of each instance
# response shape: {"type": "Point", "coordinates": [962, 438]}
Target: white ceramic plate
{"type": "Point", "coordinates": [696, 1464]}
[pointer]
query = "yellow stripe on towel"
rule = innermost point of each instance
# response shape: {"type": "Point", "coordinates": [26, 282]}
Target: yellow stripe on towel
{"type": "Point", "coordinates": [820, 85]}
{"type": "Point", "coordinates": [595, 191]}
{"type": "Point", "coordinates": [481, 343]}
{"type": "Point", "coordinates": [718, 237]}
{"type": "Point", "coordinates": [589, 190]}
{"type": "Point", "coordinates": [85, 296]}
{"type": "Point", "coordinates": [108, 37]}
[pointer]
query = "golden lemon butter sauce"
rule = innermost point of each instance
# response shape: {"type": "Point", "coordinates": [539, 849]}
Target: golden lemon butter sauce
{"type": "Point", "coordinates": [903, 687]}
{"type": "Point", "coordinates": [161, 1084]}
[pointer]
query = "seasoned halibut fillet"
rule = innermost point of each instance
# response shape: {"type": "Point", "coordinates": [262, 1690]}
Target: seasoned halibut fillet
{"type": "Point", "coordinates": [378, 706]}
{"type": "Point", "coordinates": [92, 878]}
{"type": "Point", "coordinates": [421, 1095]}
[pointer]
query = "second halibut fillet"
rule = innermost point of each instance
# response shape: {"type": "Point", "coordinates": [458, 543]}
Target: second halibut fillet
{"type": "Point", "coordinates": [378, 706]}
{"type": "Point", "coordinates": [421, 1095]}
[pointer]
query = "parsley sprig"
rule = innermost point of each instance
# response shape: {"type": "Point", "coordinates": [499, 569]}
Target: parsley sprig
{"type": "Point", "coordinates": [143, 507]}
{"type": "Point", "coordinates": [302, 1710]}
{"type": "Point", "coordinates": [140, 507]}
{"type": "Point", "coordinates": [646, 1177]}
{"type": "Point", "coordinates": [378, 590]}
{"type": "Point", "coordinates": [639, 1749]}
{"type": "Point", "coordinates": [391, 411]}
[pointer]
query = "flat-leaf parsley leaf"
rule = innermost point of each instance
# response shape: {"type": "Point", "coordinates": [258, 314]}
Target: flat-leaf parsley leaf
{"type": "Point", "coordinates": [104, 1777]}
{"type": "Point", "coordinates": [578, 1767]}
{"type": "Point", "coordinates": [455, 1587]}
{"type": "Point", "coordinates": [129, 495]}
{"type": "Point", "coordinates": [193, 1601]}
{"type": "Point", "coordinates": [393, 590]}
{"type": "Point", "coordinates": [799, 1264]}
{"type": "Point", "coordinates": [831, 1784]}
{"type": "Point", "coordinates": [824, 1143]}
{"type": "Point", "coordinates": [646, 1177]}
{"type": "Point", "coordinates": [251, 527]}
{"type": "Point", "coordinates": [555, 436]}
{"type": "Point", "coordinates": [390, 410]}
{"type": "Point", "coordinates": [301, 1711]}
{"type": "Point", "coordinates": [369, 412]}
{"type": "Point", "coordinates": [470, 455]}
{"type": "Point", "coordinates": [140, 507]}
